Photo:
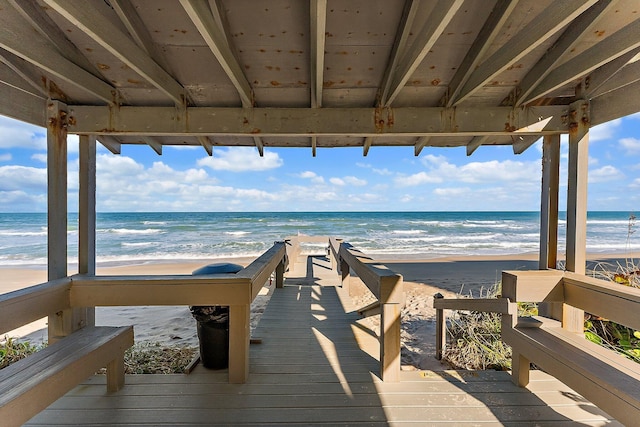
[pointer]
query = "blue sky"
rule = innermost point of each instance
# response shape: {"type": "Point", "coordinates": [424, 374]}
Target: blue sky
{"type": "Point", "coordinates": [389, 178]}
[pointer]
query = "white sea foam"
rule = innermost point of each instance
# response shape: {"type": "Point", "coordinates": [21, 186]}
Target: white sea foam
{"type": "Point", "coordinates": [133, 231]}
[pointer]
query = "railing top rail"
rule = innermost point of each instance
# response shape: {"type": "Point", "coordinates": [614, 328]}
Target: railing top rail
{"type": "Point", "coordinates": [380, 280]}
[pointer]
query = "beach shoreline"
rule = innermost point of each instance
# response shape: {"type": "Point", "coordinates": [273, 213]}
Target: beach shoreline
{"type": "Point", "coordinates": [174, 325]}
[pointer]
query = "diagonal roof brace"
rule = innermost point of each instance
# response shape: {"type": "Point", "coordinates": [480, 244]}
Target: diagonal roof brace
{"type": "Point", "coordinates": [92, 22]}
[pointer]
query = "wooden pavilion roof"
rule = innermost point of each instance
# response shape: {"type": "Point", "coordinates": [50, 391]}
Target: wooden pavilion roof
{"type": "Point", "coordinates": [320, 73]}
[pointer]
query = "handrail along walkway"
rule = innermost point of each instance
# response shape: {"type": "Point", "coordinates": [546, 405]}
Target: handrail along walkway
{"type": "Point", "coordinates": [387, 287]}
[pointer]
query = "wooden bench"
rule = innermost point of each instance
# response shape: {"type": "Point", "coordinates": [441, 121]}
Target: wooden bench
{"type": "Point", "coordinates": [33, 383]}
{"type": "Point", "coordinates": [607, 379]}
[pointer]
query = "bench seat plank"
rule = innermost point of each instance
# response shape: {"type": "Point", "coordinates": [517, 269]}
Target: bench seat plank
{"type": "Point", "coordinates": [31, 384]}
{"type": "Point", "coordinates": [600, 375]}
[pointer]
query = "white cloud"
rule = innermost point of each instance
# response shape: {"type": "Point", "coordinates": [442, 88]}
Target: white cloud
{"type": "Point", "coordinates": [490, 172]}
{"type": "Point", "coordinates": [605, 174]}
{"type": "Point", "coordinates": [605, 130]}
{"type": "Point", "coordinates": [17, 134]}
{"type": "Point", "coordinates": [356, 182]}
{"type": "Point", "coordinates": [337, 181]}
{"type": "Point", "coordinates": [451, 192]}
{"type": "Point", "coordinates": [5, 157]}
{"type": "Point", "coordinates": [417, 179]}
{"type": "Point", "coordinates": [312, 176]}
{"type": "Point", "coordinates": [241, 159]}
{"type": "Point", "coordinates": [40, 157]}
{"type": "Point", "coordinates": [630, 145]}
{"type": "Point", "coordinates": [15, 177]}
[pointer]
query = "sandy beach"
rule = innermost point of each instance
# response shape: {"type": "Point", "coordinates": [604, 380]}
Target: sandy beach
{"type": "Point", "coordinates": [174, 325]}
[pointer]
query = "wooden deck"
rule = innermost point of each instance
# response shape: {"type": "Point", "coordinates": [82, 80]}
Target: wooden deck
{"type": "Point", "coordinates": [317, 366]}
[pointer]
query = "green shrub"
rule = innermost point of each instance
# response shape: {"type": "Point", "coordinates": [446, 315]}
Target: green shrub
{"type": "Point", "coordinates": [12, 350]}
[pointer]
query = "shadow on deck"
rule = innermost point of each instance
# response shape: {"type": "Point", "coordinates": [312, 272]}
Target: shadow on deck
{"type": "Point", "coordinates": [317, 366]}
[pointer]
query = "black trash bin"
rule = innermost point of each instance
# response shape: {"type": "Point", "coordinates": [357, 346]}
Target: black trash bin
{"type": "Point", "coordinates": [213, 323]}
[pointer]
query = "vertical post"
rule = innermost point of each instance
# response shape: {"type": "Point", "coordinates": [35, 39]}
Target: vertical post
{"type": "Point", "coordinates": [549, 201]}
{"type": "Point", "coordinates": [573, 318]}
{"type": "Point", "coordinates": [346, 275]}
{"type": "Point", "coordinates": [390, 342]}
{"type": "Point", "coordinates": [280, 274]}
{"type": "Point", "coordinates": [549, 215]}
{"type": "Point", "coordinates": [441, 328]}
{"type": "Point", "coordinates": [63, 322]}
{"type": "Point", "coordinates": [239, 337]}
{"type": "Point", "coordinates": [87, 212]}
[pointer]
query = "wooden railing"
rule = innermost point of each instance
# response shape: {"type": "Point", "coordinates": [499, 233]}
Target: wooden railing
{"type": "Point", "coordinates": [609, 380]}
{"type": "Point", "coordinates": [234, 290]}
{"type": "Point", "coordinates": [387, 287]}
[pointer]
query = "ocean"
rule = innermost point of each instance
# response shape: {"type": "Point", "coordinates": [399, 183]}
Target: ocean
{"type": "Point", "coordinates": [162, 237]}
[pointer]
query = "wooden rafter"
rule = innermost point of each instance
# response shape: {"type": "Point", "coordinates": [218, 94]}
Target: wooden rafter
{"type": "Point", "coordinates": [541, 28]}
{"type": "Point", "coordinates": [475, 143]}
{"type": "Point", "coordinates": [481, 44]}
{"type": "Point", "coordinates": [443, 13]}
{"type": "Point", "coordinates": [602, 80]}
{"type": "Point", "coordinates": [521, 143]}
{"type": "Point", "coordinates": [398, 49]}
{"type": "Point", "coordinates": [17, 37]}
{"type": "Point", "coordinates": [153, 143]}
{"type": "Point", "coordinates": [318, 19]}
{"type": "Point", "coordinates": [110, 143]}
{"type": "Point", "coordinates": [206, 143]}
{"type": "Point", "coordinates": [41, 22]}
{"type": "Point", "coordinates": [421, 142]}
{"type": "Point", "coordinates": [366, 145]}
{"type": "Point", "coordinates": [25, 71]}
{"type": "Point", "coordinates": [619, 43]}
{"type": "Point", "coordinates": [200, 14]}
{"type": "Point", "coordinates": [582, 25]}
{"type": "Point", "coordinates": [92, 22]}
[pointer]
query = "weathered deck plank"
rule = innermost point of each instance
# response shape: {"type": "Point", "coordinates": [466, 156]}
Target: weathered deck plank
{"type": "Point", "coordinates": [309, 370]}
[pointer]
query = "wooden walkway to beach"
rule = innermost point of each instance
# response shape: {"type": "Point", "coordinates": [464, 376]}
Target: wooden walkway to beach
{"type": "Point", "coordinates": [317, 366]}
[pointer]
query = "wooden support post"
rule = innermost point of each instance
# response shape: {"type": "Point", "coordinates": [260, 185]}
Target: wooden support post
{"type": "Point", "coordinates": [346, 275]}
{"type": "Point", "coordinates": [87, 213]}
{"type": "Point", "coordinates": [520, 367]}
{"type": "Point", "coordinates": [239, 336]}
{"type": "Point", "coordinates": [572, 318]}
{"type": "Point", "coordinates": [280, 275]}
{"type": "Point", "coordinates": [549, 202]}
{"type": "Point", "coordinates": [115, 373]}
{"type": "Point", "coordinates": [549, 215]}
{"type": "Point", "coordinates": [441, 329]}
{"type": "Point", "coordinates": [64, 322]}
{"type": "Point", "coordinates": [390, 342]}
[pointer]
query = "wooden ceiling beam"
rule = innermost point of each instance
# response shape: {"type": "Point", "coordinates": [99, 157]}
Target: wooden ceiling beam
{"type": "Point", "coordinates": [93, 23]}
{"type": "Point", "coordinates": [617, 44]}
{"type": "Point", "coordinates": [582, 25]}
{"type": "Point", "coordinates": [215, 37]}
{"type": "Point", "coordinates": [542, 27]}
{"type": "Point", "coordinates": [399, 46]}
{"type": "Point", "coordinates": [110, 143]}
{"type": "Point", "coordinates": [490, 30]}
{"type": "Point", "coordinates": [355, 122]}
{"type": "Point", "coordinates": [206, 143]}
{"type": "Point", "coordinates": [153, 143]}
{"type": "Point", "coordinates": [18, 38]}
{"type": "Point", "coordinates": [420, 144]}
{"type": "Point", "coordinates": [522, 143]}
{"type": "Point", "coordinates": [602, 80]}
{"type": "Point", "coordinates": [442, 14]}
{"type": "Point", "coordinates": [318, 23]}
{"type": "Point", "coordinates": [25, 71]}
{"type": "Point", "coordinates": [42, 23]}
{"type": "Point", "coordinates": [475, 143]}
